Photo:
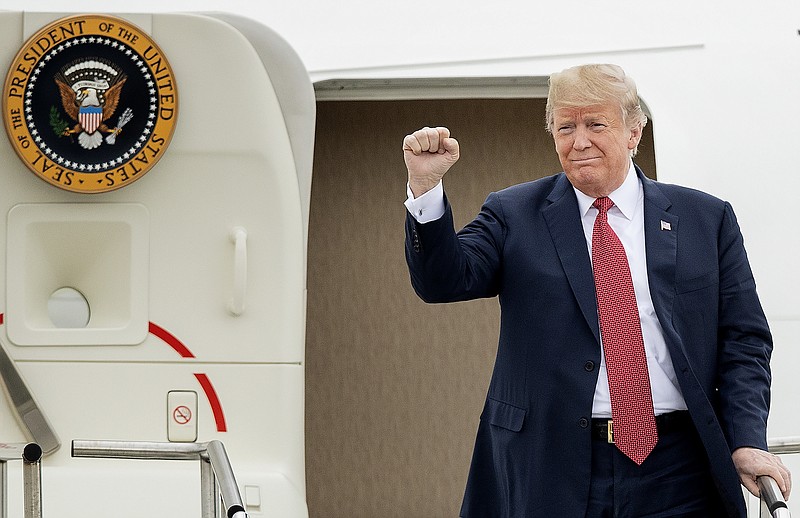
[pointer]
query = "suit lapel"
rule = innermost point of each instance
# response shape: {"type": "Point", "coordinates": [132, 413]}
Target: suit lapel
{"type": "Point", "coordinates": [661, 246]}
{"type": "Point", "coordinates": [564, 223]}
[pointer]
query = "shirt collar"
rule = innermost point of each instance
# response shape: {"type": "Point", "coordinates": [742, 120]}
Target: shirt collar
{"type": "Point", "coordinates": [625, 197]}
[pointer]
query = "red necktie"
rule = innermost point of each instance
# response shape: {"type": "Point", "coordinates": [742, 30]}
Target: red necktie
{"type": "Point", "coordinates": [634, 421]}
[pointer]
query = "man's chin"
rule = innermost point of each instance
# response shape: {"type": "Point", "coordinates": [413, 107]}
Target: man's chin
{"type": "Point", "coordinates": [591, 181]}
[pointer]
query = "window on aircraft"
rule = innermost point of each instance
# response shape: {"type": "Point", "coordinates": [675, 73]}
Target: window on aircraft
{"type": "Point", "coordinates": [68, 309]}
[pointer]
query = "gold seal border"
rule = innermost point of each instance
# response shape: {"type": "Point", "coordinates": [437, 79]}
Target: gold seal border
{"type": "Point", "coordinates": [28, 58]}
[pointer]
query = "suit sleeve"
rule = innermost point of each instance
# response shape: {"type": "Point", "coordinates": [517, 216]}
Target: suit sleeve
{"type": "Point", "coordinates": [446, 266]}
{"type": "Point", "coordinates": [745, 344]}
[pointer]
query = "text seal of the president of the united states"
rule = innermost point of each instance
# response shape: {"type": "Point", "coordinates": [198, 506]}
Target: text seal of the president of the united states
{"type": "Point", "coordinates": [90, 103]}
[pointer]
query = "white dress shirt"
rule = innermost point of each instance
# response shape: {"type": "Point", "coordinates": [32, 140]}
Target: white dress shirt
{"type": "Point", "coordinates": [626, 218]}
{"type": "Point", "coordinates": [429, 206]}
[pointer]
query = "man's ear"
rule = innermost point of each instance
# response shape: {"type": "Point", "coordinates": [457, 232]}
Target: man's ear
{"type": "Point", "coordinates": [636, 136]}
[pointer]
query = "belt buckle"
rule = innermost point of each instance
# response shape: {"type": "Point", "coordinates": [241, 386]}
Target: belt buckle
{"type": "Point", "coordinates": [610, 432]}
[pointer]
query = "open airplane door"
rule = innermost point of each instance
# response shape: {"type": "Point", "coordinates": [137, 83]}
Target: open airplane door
{"type": "Point", "coordinates": [154, 194]}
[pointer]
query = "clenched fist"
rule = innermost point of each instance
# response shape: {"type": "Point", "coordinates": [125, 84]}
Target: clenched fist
{"type": "Point", "coordinates": [429, 153]}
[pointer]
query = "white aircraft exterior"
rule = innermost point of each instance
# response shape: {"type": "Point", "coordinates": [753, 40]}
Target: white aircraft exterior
{"type": "Point", "coordinates": [720, 83]}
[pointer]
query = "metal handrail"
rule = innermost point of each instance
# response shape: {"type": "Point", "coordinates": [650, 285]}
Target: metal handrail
{"type": "Point", "coordinates": [30, 454]}
{"type": "Point", "coordinates": [784, 445]}
{"type": "Point", "coordinates": [141, 450]}
{"type": "Point", "coordinates": [772, 500]}
{"type": "Point", "coordinates": [225, 478]}
{"type": "Point", "coordinates": [30, 416]}
{"type": "Point", "coordinates": [215, 468]}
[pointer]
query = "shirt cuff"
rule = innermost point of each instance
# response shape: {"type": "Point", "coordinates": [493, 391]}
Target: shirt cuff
{"type": "Point", "coordinates": [428, 207]}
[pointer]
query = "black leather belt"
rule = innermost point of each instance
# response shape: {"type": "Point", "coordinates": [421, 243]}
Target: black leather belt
{"type": "Point", "coordinates": [678, 421]}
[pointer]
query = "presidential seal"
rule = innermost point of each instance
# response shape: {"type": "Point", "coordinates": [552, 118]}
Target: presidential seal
{"type": "Point", "coordinates": [90, 103]}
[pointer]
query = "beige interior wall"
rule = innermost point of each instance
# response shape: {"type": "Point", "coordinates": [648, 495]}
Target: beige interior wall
{"type": "Point", "coordinates": [394, 386]}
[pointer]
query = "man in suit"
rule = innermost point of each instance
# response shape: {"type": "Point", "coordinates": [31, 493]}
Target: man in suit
{"type": "Point", "coordinates": [632, 374]}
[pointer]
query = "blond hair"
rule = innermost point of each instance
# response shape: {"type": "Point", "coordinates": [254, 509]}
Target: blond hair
{"type": "Point", "coordinates": [588, 85]}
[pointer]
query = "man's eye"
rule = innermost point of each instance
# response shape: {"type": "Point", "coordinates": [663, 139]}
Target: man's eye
{"type": "Point", "coordinates": [565, 129]}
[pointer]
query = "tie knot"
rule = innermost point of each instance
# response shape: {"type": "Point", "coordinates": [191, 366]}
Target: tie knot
{"type": "Point", "coordinates": [603, 204]}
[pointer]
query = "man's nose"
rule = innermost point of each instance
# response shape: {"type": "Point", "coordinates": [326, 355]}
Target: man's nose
{"type": "Point", "coordinates": [582, 140]}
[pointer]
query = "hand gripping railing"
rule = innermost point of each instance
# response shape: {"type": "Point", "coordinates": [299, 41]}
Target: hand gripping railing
{"type": "Point", "coordinates": [30, 454]}
{"type": "Point", "coordinates": [772, 500]}
{"type": "Point", "coordinates": [215, 468]}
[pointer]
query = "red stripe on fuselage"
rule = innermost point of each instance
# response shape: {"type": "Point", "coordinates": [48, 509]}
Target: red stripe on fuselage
{"type": "Point", "coordinates": [216, 406]}
{"type": "Point", "coordinates": [170, 339]}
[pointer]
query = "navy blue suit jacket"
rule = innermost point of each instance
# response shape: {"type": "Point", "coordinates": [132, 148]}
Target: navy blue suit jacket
{"type": "Point", "coordinates": [532, 454]}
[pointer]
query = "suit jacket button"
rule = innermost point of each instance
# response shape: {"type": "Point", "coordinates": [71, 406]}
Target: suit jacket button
{"type": "Point", "coordinates": [589, 366]}
{"type": "Point", "coordinates": [583, 422]}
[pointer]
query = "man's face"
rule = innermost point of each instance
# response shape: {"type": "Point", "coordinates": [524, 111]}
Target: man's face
{"type": "Point", "coordinates": [594, 146]}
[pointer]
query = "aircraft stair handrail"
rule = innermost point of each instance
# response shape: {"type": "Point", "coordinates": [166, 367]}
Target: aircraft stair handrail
{"type": "Point", "coordinates": [773, 504]}
{"type": "Point", "coordinates": [771, 498]}
{"type": "Point", "coordinates": [216, 474]}
{"type": "Point", "coordinates": [31, 455]}
{"type": "Point", "coordinates": [784, 445]}
{"type": "Point", "coordinates": [30, 416]}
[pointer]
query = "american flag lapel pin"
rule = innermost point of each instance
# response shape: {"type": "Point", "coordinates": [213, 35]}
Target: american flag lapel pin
{"type": "Point", "coordinates": [665, 225]}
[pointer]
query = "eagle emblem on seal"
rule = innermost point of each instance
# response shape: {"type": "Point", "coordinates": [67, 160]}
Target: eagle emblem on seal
{"type": "Point", "coordinates": [90, 94]}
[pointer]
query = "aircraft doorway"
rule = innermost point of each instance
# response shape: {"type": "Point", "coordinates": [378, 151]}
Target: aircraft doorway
{"type": "Point", "coordinates": [394, 387]}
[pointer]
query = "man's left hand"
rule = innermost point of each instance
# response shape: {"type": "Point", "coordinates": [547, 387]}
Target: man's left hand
{"type": "Point", "coordinates": [751, 463]}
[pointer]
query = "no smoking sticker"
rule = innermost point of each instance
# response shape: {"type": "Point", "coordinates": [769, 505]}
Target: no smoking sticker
{"type": "Point", "coordinates": [182, 414]}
